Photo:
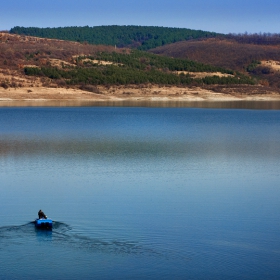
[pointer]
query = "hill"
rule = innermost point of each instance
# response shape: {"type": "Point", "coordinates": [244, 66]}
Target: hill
{"type": "Point", "coordinates": [32, 67]}
{"type": "Point", "coordinates": [255, 57]}
{"type": "Point", "coordinates": [78, 64]}
{"type": "Point", "coordinates": [252, 54]}
{"type": "Point", "coordinates": [140, 37]}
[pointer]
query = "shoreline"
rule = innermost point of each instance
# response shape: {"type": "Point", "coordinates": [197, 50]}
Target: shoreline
{"type": "Point", "coordinates": [150, 95]}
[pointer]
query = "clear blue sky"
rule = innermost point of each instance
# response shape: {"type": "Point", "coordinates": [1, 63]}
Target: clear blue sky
{"type": "Point", "coordinates": [211, 15]}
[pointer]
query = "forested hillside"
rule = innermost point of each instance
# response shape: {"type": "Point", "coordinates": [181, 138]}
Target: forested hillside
{"type": "Point", "coordinates": [141, 37]}
{"type": "Point", "coordinates": [72, 64]}
{"type": "Point", "coordinates": [135, 67]}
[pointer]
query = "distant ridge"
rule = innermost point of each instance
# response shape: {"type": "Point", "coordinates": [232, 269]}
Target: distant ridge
{"type": "Point", "coordinates": [140, 37]}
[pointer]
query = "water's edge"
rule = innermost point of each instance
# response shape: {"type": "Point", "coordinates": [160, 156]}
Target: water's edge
{"type": "Point", "coordinates": [241, 104]}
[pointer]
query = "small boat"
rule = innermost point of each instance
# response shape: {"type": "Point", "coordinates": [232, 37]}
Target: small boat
{"type": "Point", "coordinates": [43, 223]}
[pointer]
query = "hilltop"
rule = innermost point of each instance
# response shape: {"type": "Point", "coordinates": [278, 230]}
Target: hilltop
{"type": "Point", "coordinates": [129, 36]}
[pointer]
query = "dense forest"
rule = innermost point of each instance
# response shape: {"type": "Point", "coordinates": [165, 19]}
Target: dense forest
{"type": "Point", "coordinates": [140, 37]}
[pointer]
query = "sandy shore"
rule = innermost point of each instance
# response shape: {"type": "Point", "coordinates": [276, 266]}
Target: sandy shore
{"type": "Point", "coordinates": [122, 93]}
{"type": "Point", "coordinates": [138, 96]}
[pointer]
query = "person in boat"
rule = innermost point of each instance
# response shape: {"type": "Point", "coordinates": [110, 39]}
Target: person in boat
{"type": "Point", "coordinates": [42, 215]}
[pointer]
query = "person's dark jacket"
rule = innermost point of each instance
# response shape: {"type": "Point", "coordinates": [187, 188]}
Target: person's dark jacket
{"type": "Point", "coordinates": [42, 215]}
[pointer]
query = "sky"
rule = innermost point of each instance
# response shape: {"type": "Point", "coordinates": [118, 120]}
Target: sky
{"type": "Point", "coordinates": [224, 16]}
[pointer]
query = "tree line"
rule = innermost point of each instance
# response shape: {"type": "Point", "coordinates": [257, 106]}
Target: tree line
{"type": "Point", "coordinates": [140, 37]}
{"type": "Point", "coordinates": [270, 39]}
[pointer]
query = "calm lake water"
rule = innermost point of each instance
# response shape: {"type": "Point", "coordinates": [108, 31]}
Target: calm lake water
{"type": "Point", "coordinates": [140, 193]}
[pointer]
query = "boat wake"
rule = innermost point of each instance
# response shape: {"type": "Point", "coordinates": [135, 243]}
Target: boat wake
{"type": "Point", "coordinates": [61, 235]}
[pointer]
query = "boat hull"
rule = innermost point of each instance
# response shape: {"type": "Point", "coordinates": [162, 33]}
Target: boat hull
{"type": "Point", "coordinates": [43, 223]}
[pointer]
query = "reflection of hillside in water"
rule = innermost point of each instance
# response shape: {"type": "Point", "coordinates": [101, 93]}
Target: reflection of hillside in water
{"type": "Point", "coordinates": [96, 148]}
{"type": "Point", "coordinates": [241, 104]}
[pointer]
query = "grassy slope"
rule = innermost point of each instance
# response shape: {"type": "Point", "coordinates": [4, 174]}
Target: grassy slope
{"type": "Point", "coordinates": [227, 53]}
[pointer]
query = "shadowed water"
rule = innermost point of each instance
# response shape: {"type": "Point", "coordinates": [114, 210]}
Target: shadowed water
{"type": "Point", "coordinates": [169, 193]}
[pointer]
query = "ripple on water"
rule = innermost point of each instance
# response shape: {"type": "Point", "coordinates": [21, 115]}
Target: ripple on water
{"type": "Point", "coordinates": [62, 235]}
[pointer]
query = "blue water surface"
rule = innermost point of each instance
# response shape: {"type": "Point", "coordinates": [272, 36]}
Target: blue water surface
{"type": "Point", "coordinates": [154, 193]}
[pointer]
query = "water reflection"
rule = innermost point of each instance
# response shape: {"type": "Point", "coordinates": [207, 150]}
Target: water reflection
{"type": "Point", "coordinates": [95, 148]}
{"type": "Point", "coordinates": [241, 104]}
{"type": "Point", "coordinates": [43, 234]}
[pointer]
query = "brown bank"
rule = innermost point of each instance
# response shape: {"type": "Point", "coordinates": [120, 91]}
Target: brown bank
{"type": "Point", "coordinates": [41, 95]}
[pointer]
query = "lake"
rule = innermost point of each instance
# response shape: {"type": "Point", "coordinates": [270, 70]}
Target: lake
{"type": "Point", "coordinates": [140, 193]}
